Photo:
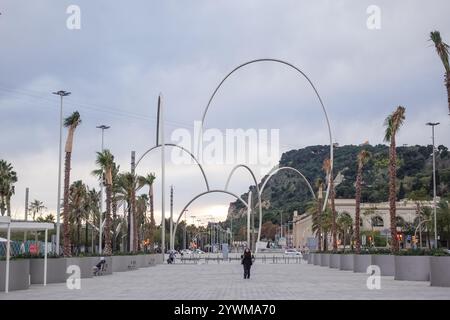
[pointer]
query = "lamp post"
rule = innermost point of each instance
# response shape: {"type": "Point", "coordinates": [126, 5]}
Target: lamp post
{"type": "Point", "coordinates": [433, 124]}
{"type": "Point", "coordinates": [100, 234]}
{"type": "Point", "coordinates": [62, 94]}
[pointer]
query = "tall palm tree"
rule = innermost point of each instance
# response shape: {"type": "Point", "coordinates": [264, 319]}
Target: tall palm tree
{"type": "Point", "coordinates": [344, 224]}
{"type": "Point", "coordinates": [148, 180]}
{"type": "Point", "coordinates": [36, 207]}
{"type": "Point", "coordinates": [329, 172]}
{"type": "Point", "coordinates": [393, 123]}
{"type": "Point", "coordinates": [78, 207]}
{"type": "Point", "coordinates": [141, 218]}
{"type": "Point", "coordinates": [129, 185]}
{"type": "Point", "coordinates": [105, 160]}
{"type": "Point", "coordinates": [93, 210]}
{"type": "Point", "coordinates": [7, 179]}
{"type": "Point", "coordinates": [442, 51]}
{"type": "Point", "coordinates": [363, 157]}
{"type": "Point", "coordinates": [71, 123]}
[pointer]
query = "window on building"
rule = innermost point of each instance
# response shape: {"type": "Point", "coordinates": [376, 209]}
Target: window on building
{"type": "Point", "coordinates": [377, 221]}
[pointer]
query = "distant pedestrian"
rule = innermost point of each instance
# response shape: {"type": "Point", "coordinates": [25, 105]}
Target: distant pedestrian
{"type": "Point", "coordinates": [247, 260]}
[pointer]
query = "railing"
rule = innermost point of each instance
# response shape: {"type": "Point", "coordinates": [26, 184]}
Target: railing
{"type": "Point", "coordinates": [273, 259]}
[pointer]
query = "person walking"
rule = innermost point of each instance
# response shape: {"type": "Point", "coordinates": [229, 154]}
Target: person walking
{"type": "Point", "coordinates": [247, 260]}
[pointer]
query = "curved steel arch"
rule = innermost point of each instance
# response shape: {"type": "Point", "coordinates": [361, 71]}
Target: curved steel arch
{"type": "Point", "coordinates": [275, 171]}
{"type": "Point", "coordinates": [313, 87]}
{"type": "Point", "coordinates": [257, 193]}
{"type": "Point", "coordinates": [201, 195]}
{"type": "Point", "coordinates": [183, 149]}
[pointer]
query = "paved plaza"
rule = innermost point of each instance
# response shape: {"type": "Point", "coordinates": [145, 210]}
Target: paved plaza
{"type": "Point", "coordinates": [224, 281]}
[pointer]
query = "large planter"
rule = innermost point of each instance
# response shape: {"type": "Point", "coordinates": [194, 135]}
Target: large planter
{"type": "Point", "coordinates": [317, 259]}
{"type": "Point", "coordinates": [56, 270]}
{"type": "Point", "coordinates": [412, 268]}
{"type": "Point", "coordinates": [361, 262]}
{"type": "Point", "coordinates": [311, 258]}
{"type": "Point", "coordinates": [86, 265]}
{"type": "Point", "coordinates": [153, 259]}
{"type": "Point", "coordinates": [124, 263]}
{"type": "Point", "coordinates": [19, 274]}
{"type": "Point", "coordinates": [324, 259]}
{"type": "Point", "coordinates": [346, 262]}
{"type": "Point", "coordinates": [335, 260]}
{"type": "Point", "coordinates": [440, 271]}
{"type": "Point", "coordinates": [385, 262]}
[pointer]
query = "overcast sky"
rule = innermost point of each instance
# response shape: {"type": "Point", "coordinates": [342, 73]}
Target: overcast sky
{"type": "Point", "coordinates": [128, 52]}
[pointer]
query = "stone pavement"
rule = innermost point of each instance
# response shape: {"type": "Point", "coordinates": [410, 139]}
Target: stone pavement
{"type": "Point", "coordinates": [224, 281]}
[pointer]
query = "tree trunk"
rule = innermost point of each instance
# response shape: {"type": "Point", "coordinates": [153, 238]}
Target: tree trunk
{"type": "Point", "coordinates": [333, 213]}
{"type": "Point", "coordinates": [108, 249]}
{"type": "Point", "coordinates": [133, 216]}
{"type": "Point", "coordinates": [86, 236]}
{"type": "Point", "coordinates": [114, 220]}
{"type": "Point", "coordinates": [79, 235]}
{"type": "Point", "coordinates": [152, 215]}
{"type": "Point", "coordinates": [392, 194]}
{"type": "Point", "coordinates": [129, 225]}
{"type": "Point", "coordinates": [319, 224]}
{"type": "Point", "coordinates": [66, 227]}
{"type": "Point", "coordinates": [447, 84]}
{"type": "Point", "coordinates": [8, 205]}
{"type": "Point", "coordinates": [358, 209]}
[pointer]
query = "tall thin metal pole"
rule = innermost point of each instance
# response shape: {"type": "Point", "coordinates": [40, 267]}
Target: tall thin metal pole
{"type": "Point", "coordinates": [434, 192]}
{"type": "Point", "coordinates": [100, 234]}
{"type": "Point", "coordinates": [163, 174]}
{"type": "Point", "coordinates": [171, 219]}
{"type": "Point", "coordinates": [62, 94]}
{"type": "Point", "coordinates": [433, 124]}
{"type": "Point", "coordinates": [27, 192]}
{"type": "Point", "coordinates": [132, 211]}
{"type": "Point", "coordinates": [249, 211]}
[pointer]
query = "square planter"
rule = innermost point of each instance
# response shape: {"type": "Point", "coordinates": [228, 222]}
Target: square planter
{"type": "Point", "coordinates": [324, 259]}
{"type": "Point", "coordinates": [311, 258]}
{"type": "Point", "coordinates": [440, 271]}
{"type": "Point", "coordinates": [317, 259]}
{"type": "Point", "coordinates": [386, 263]}
{"type": "Point", "coordinates": [412, 268]}
{"type": "Point", "coordinates": [124, 263]}
{"type": "Point", "coordinates": [153, 259]}
{"type": "Point", "coordinates": [86, 265]}
{"type": "Point", "coordinates": [346, 262]}
{"type": "Point", "coordinates": [19, 274]}
{"type": "Point", "coordinates": [335, 260]}
{"type": "Point", "coordinates": [56, 270]}
{"type": "Point", "coordinates": [361, 262]}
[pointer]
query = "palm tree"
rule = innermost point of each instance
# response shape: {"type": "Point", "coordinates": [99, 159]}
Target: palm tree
{"type": "Point", "coordinates": [148, 180]}
{"type": "Point", "coordinates": [363, 157]}
{"type": "Point", "coordinates": [78, 207]}
{"type": "Point", "coordinates": [93, 210]}
{"type": "Point", "coordinates": [329, 172]}
{"type": "Point", "coordinates": [129, 184]}
{"type": "Point", "coordinates": [393, 123]}
{"type": "Point", "coordinates": [70, 122]}
{"type": "Point", "coordinates": [141, 218]}
{"type": "Point", "coordinates": [344, 224]}
{"type": "Point", "coordinates": [7, 179]}
{"type": "Point", "coordinates": [442, 51]}
{"type": "Point", "coordinates": [36, 207]}
{"type": "Point", "coordinates": [105, 160]}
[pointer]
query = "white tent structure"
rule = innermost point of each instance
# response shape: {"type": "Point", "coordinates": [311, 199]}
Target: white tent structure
{"type": "Point", "coordinates": [22, 226]}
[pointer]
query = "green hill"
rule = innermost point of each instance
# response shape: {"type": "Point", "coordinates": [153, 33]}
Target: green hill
{"type": "Point", "coordinates": [286, 192]}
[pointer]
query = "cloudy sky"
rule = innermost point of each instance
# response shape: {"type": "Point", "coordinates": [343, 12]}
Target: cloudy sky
{"type": "Point", "coordinates": [125, 54]}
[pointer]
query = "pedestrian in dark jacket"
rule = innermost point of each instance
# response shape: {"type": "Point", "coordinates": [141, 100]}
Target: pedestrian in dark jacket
{"type": "Point", "coordinates": [247, 261]}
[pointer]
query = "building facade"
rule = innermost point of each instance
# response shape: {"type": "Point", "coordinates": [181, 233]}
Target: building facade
{"type": "Point", "coordinates": [374, 216]}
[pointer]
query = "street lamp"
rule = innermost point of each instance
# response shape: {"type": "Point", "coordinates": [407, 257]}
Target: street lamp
{"type": "Point", "coordinates": [62, 94]}
{"type": "Point", "coordinates": [100, 235]}
{"type": "Point", "coordinates": [433, 124]}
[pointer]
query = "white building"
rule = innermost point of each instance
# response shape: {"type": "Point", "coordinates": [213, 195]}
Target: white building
{"type": "Point", "coordinates": [373, 215]}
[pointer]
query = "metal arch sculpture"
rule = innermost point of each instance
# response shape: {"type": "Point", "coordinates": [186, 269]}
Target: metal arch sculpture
{"type": "Point", "coordinates": [258, 193]}
{"type": "Point", "coordinates": [198, 196]}
{"type": "Point", "coordinates": [311, 84]}
{"type": "Point", "coordinates": [181, 148]}
{"type": "Point", "coordinates": [276, 170]}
